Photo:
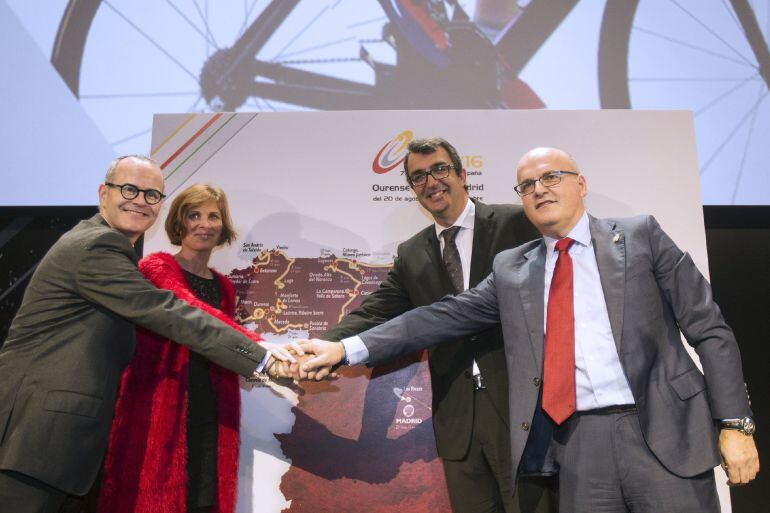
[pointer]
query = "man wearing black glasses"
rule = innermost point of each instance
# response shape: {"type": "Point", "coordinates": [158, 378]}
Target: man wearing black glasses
{"type": "Point", "coordinates": [468, 375]}
{"type": "Point", "coordinates": [593, 313]}
{"type": "Point", "coordinates": [61, 364]}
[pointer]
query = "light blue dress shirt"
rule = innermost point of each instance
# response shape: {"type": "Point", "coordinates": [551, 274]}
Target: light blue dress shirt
{"type": "Point", "coordinates": [599, 377]}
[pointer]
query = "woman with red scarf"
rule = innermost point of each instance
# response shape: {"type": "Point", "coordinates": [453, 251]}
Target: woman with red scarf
{"type": "Point", "coordinates": [174, 441]}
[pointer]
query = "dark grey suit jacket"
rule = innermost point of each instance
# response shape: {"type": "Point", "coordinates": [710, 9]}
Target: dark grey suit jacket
{"type": "Point", "coordinates": [652, 290]}
{"type": "Point", "coordinates": [418, 278]}
{"type": "Point", "coordinates": [73, 335]}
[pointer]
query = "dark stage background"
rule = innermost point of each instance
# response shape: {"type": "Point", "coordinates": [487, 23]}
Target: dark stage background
{"type": "Point", "coordinates": [737, 238]}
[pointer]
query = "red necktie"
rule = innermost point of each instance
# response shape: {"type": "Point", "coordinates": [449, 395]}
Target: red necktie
{"type": "Point", "coordinates": [559, 365]}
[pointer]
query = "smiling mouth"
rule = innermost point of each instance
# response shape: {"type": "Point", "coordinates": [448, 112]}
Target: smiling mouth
{"type": "Point", "coordinates": [544, 203]}
{"type": "Point", "coordinates": [135, 212]}
{"type": "Point", "coordinates": [435, 194]}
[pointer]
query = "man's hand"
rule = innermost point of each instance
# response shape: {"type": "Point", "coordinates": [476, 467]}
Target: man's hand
{"type": "Point", "coordinates": [282, 358]}
{"type": "Point", "coordinates": [327, 355]}
{"type": "Point", "coordinates": [739, 456]}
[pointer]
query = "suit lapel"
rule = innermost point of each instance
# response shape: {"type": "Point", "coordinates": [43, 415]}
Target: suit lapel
{"type": "Point", "coordinates": [483, 228]}
{"type": "Point", "coordinates": [532, 277]}
{"type": "Point", "coordinates": [610, 248]}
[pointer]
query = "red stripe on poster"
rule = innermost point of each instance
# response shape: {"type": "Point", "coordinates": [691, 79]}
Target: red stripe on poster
{"type": "Point", "coordinates": [190, 140]}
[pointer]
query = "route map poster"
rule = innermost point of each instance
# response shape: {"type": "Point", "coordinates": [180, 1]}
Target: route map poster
{"type": "Point", "coordinates": [320, 204]}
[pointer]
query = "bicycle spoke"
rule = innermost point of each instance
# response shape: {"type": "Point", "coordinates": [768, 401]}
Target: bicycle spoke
{"type": "Point", "coordinates": [313, 48]}
{"type": "Point", "coordinates": [730, 135]}
{"type": "Point", "coordinates": [712, 32]}
{"type": "Point", "coordinates": [152, 41]}
{"type": "Point", "coordinates": [270, 105]}
{"type": "Point", "coordinates": [754, 36]}
{"type": "Point", "coordinates": [301, 32]}
{"type": "Point", "coordinates": [724, 95]}
{"type": "Point", "coordinates": [248, 45]}
{"type": "Point", "coordinates": [732, 15]}
{"type": "Point", "coordinates": [246, 18]}
{"type": "Point", "coordinates": [746, 147]}
{"type": "Point", "coordinates": [367, 22]}
{"type": "Point", "coordinates": [189, 22]}
{"type": "Point", "coordinates": [133, 136]}
{"type": "Point", "coordinates": [195, 104]}
{"type": "Point", "coordinates": [691, 46]}
{"type": "Point", "coordinates": [134, 95]}
{"type": "Point", "coordinates": [205, 21]}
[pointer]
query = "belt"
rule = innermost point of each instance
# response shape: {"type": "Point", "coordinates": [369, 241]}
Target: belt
{"type": "Point", "coordinates": [609, 410]}
{"type": "Point", "coordinates": [478, 382]}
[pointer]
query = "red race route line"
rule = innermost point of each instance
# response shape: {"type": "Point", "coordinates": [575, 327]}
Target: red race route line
{"type": "Point", "coordinates": [190, 140]}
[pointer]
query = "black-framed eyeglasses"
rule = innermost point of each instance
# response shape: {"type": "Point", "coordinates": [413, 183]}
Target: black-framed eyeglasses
{"type": "Point", "coordinates": [130, 191]}
{"type": "Point", "coordinates": [547, 179]}
{"type": "Point", "coordinates": [420, 177]}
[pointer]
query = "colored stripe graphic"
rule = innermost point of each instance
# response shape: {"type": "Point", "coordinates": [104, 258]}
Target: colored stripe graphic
{"type": "Point", "coordinates": [203, 143]}
{"type": "Point", "coordinates": [172, 134]}
{"type": "Point", "coordinates": [190, 140]}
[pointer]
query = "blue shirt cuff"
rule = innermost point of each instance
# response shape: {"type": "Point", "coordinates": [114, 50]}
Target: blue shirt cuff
{"type": "Point", "coordinates": [261, 366]}
{"type": "Point", "coordinates": [355, 350]}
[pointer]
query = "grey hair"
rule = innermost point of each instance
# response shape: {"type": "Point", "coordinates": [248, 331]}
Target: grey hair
{"type": "Point", "coordinates": [112, 168]}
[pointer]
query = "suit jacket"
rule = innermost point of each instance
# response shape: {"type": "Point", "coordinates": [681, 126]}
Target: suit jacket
{"type": "Point", "coordinates": [418, 278]}
{"type": "Point", "coordinates": [653, 291]}
{"type": "Point", "coordinates": [71, 339]}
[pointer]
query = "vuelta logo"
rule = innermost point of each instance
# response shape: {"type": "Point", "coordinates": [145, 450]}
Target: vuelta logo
{"type": "Point", "coordinates": [393, 153]}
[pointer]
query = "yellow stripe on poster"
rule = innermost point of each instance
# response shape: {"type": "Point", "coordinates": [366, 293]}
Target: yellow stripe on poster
{"type": "Point", "coordinates": [172, 134]}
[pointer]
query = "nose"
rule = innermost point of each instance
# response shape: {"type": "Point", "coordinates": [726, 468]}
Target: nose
{"type": "Point", "coordinates": [539, 188]}
{"type": "Point", "coordinates": [140, 200]}
{"type": "Point", "coordinates": [429, 178]}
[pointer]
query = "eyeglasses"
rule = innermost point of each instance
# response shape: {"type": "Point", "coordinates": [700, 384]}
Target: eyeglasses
{"type": "Point", "coordinates": [420, 177]}
{"type": "Point", "coordinates": [547, 179]}
{"type": "Point", "coordinates": [130, 191]}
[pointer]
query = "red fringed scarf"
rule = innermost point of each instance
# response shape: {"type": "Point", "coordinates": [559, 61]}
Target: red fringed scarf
{"type": "Point", "coordinates": [145, 467]}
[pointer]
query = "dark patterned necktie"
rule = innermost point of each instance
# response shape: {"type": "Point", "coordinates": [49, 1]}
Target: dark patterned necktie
{"type": "Point", "coordinates": [451, 257]}
{"type": "Point", "coordinates": [559, 365]}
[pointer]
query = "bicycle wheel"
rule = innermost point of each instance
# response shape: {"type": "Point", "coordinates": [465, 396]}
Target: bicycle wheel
{"type": "Point", "coordinates": [703, 56]}
{"type": "Point", "coordinates": [140, 57]}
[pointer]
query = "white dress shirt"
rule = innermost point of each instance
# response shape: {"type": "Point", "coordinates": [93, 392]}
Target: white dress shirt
{"type": "Point", "coordinates": [356, 351]}
{"type": "Point", "coordinates": [599, 377]}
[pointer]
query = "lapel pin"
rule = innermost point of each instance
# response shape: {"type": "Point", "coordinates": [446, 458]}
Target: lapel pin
{"type": "Point", "coordinates": [616, 237]}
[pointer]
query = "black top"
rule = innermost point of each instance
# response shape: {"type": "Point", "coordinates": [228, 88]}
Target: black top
{"type": "Point", "coordinates": [201, 411]}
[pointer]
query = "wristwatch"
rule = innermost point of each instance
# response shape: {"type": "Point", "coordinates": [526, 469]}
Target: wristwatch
{"type": "Point", "coordinates": [745, 425]}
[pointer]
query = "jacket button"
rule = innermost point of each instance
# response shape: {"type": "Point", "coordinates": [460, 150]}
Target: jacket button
{"type": "Point", "coordinates": [536, 382]}
{"type": "Point", "coordinates": [474, 338]}
{"type": "Point", "coordinates": [525, 426]}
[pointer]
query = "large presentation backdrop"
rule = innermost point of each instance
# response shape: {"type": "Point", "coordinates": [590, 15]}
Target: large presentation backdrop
{"type": "Point", "coordinates": [320, 204]}
{"type": "Point", "coordinates": [86, 76]}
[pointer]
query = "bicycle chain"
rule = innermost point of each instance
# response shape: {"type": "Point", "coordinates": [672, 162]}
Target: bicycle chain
{"type": "Point", "coordinates": [319, 61]}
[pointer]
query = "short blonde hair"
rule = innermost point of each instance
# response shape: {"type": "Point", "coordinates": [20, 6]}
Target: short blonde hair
{"type": "Point", "coordinates": [193, 196]}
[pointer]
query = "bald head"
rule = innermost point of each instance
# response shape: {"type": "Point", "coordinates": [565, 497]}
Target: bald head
{"type": "Point", "coordinates": [544, 153]}
{"type": "Point", "coordinates": [556, 209]}
{"type": "Point", "coordinates": [131, 216]}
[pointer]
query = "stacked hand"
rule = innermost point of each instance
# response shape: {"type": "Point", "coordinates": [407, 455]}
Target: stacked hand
{"type": "Point", "coordinates": [304, 360]}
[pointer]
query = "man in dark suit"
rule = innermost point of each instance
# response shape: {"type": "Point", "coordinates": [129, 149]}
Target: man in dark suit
{"type": "Point", "coordinates": [468, 377]}
{"type": "Point", "coordinates": [74, 333]}
{"type": "Point", "coordinates": [592, 315]}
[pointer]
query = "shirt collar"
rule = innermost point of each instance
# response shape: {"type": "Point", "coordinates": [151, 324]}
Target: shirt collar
{"type": "Point", "coordinates": [464, 220]}
{"type": "Point", "coordinates": [580, 233]}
